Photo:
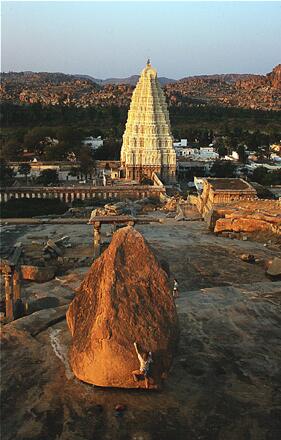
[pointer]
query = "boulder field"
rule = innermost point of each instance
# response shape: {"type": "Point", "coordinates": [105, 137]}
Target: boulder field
{"type": "Point", "coordinates": [124, 298]}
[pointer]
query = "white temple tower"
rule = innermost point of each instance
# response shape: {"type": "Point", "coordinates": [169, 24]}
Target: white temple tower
{"type": "Point", "coordinates": [147, 142]}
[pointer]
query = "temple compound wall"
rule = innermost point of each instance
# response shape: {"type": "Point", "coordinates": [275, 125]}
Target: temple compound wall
{"type": "Point", "coordinates": [70, 193]}
{"type": "Point", "coordinates": [147, 142]}
{"type": "Point", "coordinates": [231, 206]}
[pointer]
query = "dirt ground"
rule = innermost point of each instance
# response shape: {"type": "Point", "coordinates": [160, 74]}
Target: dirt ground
{"type": "Point", "coordinates": [196, 257]}
{"type": "Point", "coordinates": [225, 383]}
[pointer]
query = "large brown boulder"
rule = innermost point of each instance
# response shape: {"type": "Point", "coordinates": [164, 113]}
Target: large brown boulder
{"type": "Point", "coordinates": [124, 298]}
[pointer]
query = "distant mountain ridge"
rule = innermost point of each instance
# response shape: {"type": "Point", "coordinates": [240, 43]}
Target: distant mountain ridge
{"type": "Point", "coordinates": [231, 90]}
{"type": "Point", "coordinates": [131, 80]}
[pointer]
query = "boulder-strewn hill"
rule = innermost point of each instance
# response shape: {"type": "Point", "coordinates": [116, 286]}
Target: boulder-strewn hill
{"type": "Point", "coordinates": [227, 77]}
{"type": "Point", "coordinates": [247, 91]}
{"type": "Point", "coordinates": [232, 90]}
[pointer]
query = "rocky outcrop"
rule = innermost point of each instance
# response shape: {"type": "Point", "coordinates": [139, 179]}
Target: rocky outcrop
{"type": "Point", "coordinates": [241, 225]}
{"type": "Point", "coordinates": [275, 77]}
{"type": "Point", "coordinates": [38, 274]}
{"type": "Point", "coordinates": [274, 269]}
{"type": "Point", "coordinates": [246, 91]}
{"type": "Point", "coordinates": [124, 298]}
{"type": "Point", "coordinates": [242, 215]}
{"type": "Point", "coordinates": [249, 221]}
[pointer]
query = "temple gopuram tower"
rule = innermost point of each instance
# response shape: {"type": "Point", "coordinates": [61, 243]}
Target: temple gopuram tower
{"type": "Point", "coordinates": [147, 142]}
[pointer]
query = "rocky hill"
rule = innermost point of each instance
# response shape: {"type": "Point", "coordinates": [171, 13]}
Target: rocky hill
{"type": "Point", "coordinates": [261, 92]}
{"type": "Point", "coordinates": [60, 89]}
{"type": "Point", "coordinates": [251, 91]}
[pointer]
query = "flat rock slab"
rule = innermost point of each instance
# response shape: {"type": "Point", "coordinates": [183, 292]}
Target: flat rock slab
{"type": "Point", "coordinates": [225, 383]}
{"type": "Point", "coordinates": [38, 321]}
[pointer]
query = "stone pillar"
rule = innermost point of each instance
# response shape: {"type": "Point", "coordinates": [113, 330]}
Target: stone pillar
{"type": "Point", "coordinates": [61, 196]}
{"type": "Point", "coordinates": [16, 285]}
{"type": "Point", "coordinates": [97, 238]}
{"type": "Point", "coordinates": [5, 197]}
{"type": "Point", "coordinates": [72, 197]}
{"type": "Point", "coordinates": [83, 196]}
{"type": "Point", "coordinates": [9, 295]}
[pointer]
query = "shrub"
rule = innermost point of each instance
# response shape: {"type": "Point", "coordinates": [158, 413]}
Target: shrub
{"type": "Point", "coordinates": [31, 207]}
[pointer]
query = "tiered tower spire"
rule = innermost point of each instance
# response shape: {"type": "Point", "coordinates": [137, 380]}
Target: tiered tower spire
{"type": "Point", "coordinates": [147, 141]}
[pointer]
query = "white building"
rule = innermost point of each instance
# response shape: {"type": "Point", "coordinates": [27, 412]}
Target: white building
{"type": "Point", "coordinates": [180, 144]}
{"type": "Point", "coordinates": [207, 153]}
{"type": "Point", "coordinates": [62, 168]}
{"type": "Point", "coordinates": [187, 152]}
{"type": "Point", "coordinates": [275, 157]}
{"type": "Point", "coordinates": [93, 143]}
{"type": "Point", "coordinates": [199, 182]}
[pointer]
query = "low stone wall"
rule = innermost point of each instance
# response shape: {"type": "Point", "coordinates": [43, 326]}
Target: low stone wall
{"type": "Point", "coordinates": [69, 194]}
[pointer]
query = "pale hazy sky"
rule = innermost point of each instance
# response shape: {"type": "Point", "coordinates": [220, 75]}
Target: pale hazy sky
{"type": "Point", "coordinates": [105, 39]}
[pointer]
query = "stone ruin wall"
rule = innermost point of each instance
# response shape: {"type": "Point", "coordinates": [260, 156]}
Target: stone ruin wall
{"type": "Point", "coordinates": [210, 197]}
{"type": "Point", "coordinates": [69, 194]}
{"type": "Point", "coordinates": [237, 210]}
{"type": "Point", "coordinates": [234, 210]}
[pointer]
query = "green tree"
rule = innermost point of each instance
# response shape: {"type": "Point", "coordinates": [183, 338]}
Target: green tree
{"type": "Point", "coordinates": [87, 162]}
{"type": "Point", "coordinates": [58, 151]}
{"type": "Point", "coordinates": [24, 168]}
{"type": "Point", "coordinates": [69, 135]}
{"type": "Point", "coordinates": [109, 151]}
{"type": "Point", "coordinates": [48, 177]}
{"type": "Point", "coordinates": [222, 169]}
{"type": "Point", "coordinates": [242, 153]}
{"type": "Point", "coordinates": [34, 138]}
{"type": "Point", "coordinates": [75, 172]}
{"type": "Point", "coordinates": [10, 149]}
{"type": "Point", "coordinates": [265, 177]}
{"type": "Point", "coordinates": [7, 174]}
{"type": "Point", "coordinates": [222, 151]}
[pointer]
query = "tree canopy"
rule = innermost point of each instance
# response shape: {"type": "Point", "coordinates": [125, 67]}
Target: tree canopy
{"type": "Point", "coordinates": [48, 177]}
{"type": "Point", "coordinates": [7, 174]}
{"type": "Point", "coordinates": [222, 169]}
